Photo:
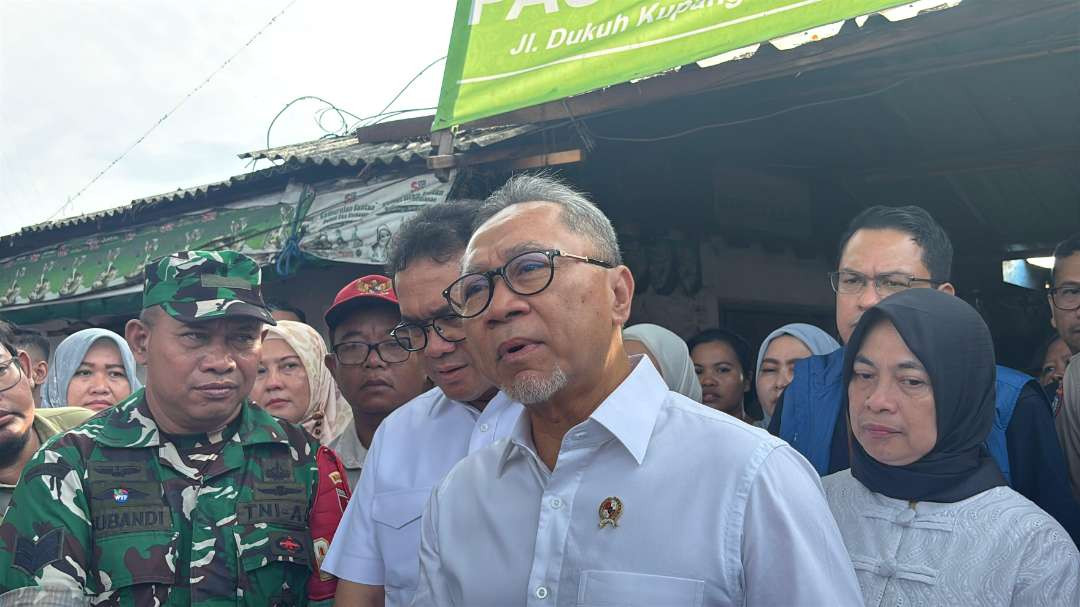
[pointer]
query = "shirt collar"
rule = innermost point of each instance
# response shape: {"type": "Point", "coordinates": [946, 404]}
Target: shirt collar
{"type": "Point", "coordinates": [442, 402]}
{"type": "Point", "coordinates": [130, 425]}
{"type": "Point", "coordinates": [629, 413]}
{"type": "Point", "coordinates": [349, 449]}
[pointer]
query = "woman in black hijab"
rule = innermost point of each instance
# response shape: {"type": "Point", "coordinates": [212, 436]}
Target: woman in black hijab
{"type": "Point", "coordinates": [925, 513]}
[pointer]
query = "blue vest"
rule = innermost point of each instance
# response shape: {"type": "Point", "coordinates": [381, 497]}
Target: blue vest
{"type": "Point", "coordinates": [812, 406]}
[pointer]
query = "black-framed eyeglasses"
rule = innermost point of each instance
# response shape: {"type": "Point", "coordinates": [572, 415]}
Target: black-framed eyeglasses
{"type": "Point", "coordinates": [353, 353]}
{"type": "Point", "coordinates": [846, 282]}
{"type": "Point", "coordinates": [525, 274]}
{"type": "Point", "coordinates": [1066, 297]}
{"type": "Point", "coordinates": [10, 374]}
{"type": "Point", "coordinates": [413, 336]}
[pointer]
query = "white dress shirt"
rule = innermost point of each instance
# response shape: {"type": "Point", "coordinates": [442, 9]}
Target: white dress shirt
{"type": "Point", "coordinates": [351, 452]}
{"type": "Point", "coordinates": [378, 540]}
{"type": "Point", "coordinates": [714, 512]}
{"type": "Point", "coordinates": [994, 548]}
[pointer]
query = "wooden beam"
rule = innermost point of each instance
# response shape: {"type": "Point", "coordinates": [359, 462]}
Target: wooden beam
{"type": "Point", "coordinates": [514, 156]}
{"type": "Point", "coordinates": [768, 64]}
{"type": "Point", "coordinates": [442, 142]}
{"type": "Point", "coordinates": [548, 160]}
{"type": "Point", "coordinates": [395, 130]}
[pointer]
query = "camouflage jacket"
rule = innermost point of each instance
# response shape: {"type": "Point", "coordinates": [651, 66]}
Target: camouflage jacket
{"type": "Point", "coordinates": [128, 516]}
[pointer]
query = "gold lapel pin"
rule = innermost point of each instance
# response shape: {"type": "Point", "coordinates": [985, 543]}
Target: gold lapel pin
{"type": "Point", "coordinates": [610, 511]}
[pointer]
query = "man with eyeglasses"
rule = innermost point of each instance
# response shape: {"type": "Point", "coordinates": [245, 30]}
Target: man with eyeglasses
{"type": "Point", "coordinates": [375, 554]}
{"type": "Point", "coordinates": [23, 429]}
{"type": "Point", "coordinates": [886, 250]}
{"type": "Point", "coordinates": [1064, 300]}
{"type": "Point", "coordinates": [1064, 295]}
{"type": "Point", "coordinates": [374, 373]}
{"type": "Point", "coordinates": [610, 489]}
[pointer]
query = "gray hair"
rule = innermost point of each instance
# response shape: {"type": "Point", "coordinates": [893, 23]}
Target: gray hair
{"type": "Point", "coordinates": [579, 214]}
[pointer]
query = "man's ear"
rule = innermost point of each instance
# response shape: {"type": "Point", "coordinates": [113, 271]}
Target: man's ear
{"type": "Point", "coordinates": [25, 362]}
{"type": "Point", "coordinates": [39, 372]}
{"type": "Point", "coordinates": [1050, 302]}
{"type": "Point", "coordinates": [623, 289]}
{"type": "Point", "coordinates": [947, 288]}
{"type": "Point", "coordinates": [137, 334]}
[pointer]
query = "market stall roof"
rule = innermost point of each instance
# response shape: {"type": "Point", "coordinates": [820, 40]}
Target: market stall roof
{"type": "Point", "coordinates": [346, 151]}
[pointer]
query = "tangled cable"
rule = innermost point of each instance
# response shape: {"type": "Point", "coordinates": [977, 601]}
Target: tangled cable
{"type": "Point", "coordinates": [290, 253]}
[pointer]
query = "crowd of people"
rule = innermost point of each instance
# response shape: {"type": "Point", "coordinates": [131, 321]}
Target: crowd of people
{"type": "Point", "coordinates": [484, 429]}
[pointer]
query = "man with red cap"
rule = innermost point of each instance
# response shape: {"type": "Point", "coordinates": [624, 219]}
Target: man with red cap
{"type": "Point", "coordinates": [375, 374]}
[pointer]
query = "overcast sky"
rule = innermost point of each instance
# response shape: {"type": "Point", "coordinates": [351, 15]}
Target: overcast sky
{"type": "Point", "coordinates": [80, 81]}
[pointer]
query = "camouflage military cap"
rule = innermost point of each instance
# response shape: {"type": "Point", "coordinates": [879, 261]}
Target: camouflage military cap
{"type": "Point", "coordinates": [193, 286]}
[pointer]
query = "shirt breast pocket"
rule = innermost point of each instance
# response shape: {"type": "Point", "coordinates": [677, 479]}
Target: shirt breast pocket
{"type": "Point", "coordinates": [131, 559]}
{"type": "Point", "coordinates": [623, 589]}
{"type": "Point", "coordinates": [397, 514]}
{"type": "Point", "coordinates": [276, 562]}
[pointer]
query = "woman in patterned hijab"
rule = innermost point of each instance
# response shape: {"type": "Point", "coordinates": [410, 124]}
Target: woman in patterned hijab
{"type": "Point", "coordinates": [295, 385]}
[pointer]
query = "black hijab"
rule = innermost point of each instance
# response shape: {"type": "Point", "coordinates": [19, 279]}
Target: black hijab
{"type": "Point", "coordinates": [953, 343]}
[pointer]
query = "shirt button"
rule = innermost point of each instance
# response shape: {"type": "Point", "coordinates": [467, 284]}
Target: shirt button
{"type": "Point", "coordinates": [484, 427]}
{"type": "Point", "coordinates": [556, 503]}
{"type": "Point", "coordinates": [541, 592]}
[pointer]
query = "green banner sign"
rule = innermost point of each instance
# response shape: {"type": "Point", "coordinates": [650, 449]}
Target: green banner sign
{"type": "Point", "coordinates": [509, 54]}
{"type": "Point", "coordinates": [345, 220]}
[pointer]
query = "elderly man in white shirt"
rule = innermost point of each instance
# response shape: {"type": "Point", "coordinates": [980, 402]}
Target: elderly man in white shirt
{"type": "Point", "coordinates": [610, 489]}
{"type": "Point", "coordinates": [375, 550]}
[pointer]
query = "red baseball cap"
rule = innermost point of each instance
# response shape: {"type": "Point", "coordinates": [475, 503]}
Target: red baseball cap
{"type": "Point", "coordinates": [364, 289]}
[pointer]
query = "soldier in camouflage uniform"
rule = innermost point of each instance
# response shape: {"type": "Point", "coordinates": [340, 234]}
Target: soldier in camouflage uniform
{"type": "Point", "coordinates": [184, 493]}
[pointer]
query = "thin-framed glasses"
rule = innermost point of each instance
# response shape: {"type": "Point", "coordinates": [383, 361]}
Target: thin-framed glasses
{"type": "Point", "coordinates": [846, 282]}
{"type": "Point", "coordinates": [413, 336]}
{"type": "Point", "coordinates": [525, 274]}
{"type": "Point", "coordinates": [10, 374]}
{"type": "Point", "coordinates": [1065, 297]}
{"type": "Point", "coordinates": [353, 353]}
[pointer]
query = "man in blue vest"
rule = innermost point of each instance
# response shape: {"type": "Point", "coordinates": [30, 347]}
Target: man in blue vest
{"type": "Point", "coordinates": [1064, 297]}
{"type": "Point", "coordinates": [886, 250]}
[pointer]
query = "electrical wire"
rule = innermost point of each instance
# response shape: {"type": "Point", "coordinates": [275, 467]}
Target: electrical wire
{"type": "Point", "coordinates": [169, 113]}
{"type": "Point", "coordinates": [341, 113]}
{"type": "Point", "coordinates": [410, 83]}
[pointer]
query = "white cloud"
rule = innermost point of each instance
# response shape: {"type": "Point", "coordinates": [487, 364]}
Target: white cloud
{"type": "Point", "coordinates": [79, 82]}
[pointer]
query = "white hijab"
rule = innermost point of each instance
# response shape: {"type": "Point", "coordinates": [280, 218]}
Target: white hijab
{"type": "Point", "coordinates": [671, 353]}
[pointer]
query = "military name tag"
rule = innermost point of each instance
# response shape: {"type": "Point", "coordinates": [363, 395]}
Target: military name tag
{"type": "Point", "coordinates": [129, 518]}
{"type": "Point", "coordinates": [282, 512]}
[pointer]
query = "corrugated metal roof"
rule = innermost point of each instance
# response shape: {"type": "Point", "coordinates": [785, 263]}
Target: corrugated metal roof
{"type": "Point", "coordinates": [336, 151]}
{"type": "Point", "coordinates": [348, 151]}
